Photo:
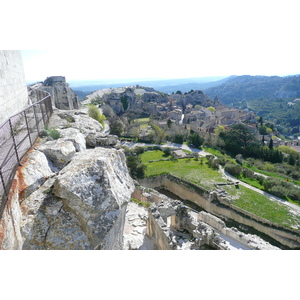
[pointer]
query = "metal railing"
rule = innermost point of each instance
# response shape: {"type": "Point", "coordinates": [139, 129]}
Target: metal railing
{"type": "Point", "coordinates": [17, 135]}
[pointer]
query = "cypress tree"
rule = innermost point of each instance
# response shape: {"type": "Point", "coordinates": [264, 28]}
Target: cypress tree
{"type": "Point", "coordinates": [271, 144]}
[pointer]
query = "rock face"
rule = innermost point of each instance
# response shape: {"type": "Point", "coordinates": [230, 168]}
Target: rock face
{"type": "Point", "coordinates": [62, 95]}
{"type": "Point", "coordinates": [65, 196]}
{"type": "Point", "coordinates": [96, 187]}
{"type": "Point", "coordinates": [83, 207]}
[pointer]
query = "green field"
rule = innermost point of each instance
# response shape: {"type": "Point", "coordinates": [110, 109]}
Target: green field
{"type": "Point", "coordinates": [143, 122]}
{"type": "Point", "coordinates": [187, 169]}
{"type": "Point", "coordinates": [199, 173]}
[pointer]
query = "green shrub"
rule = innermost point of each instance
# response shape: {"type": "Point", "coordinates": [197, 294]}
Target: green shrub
{"type": "Point", "coordinates": [248, 173]}
{"type": "Point", "coordinates": [94, 113]}
{"type": "Point", "coordinates": [233, 169]}
{"type": "Point", "coordinates": [53, 133]}
{"type": "Point", "coordinates": [145, 204]}
{"type": "Point", "coordinates": [167, 151]}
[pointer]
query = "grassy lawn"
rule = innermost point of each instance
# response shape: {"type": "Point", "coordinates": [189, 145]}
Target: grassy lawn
{"type": "Point", "coordinates": [200, 174]}
{"type": "Point", "coordinates": [152, 155]}
{"type": "Point", "coordinates": [187, 169]}
{"type": "Point", "coordinates": [261, 206]}
{"type": "Point", "coordinates": [143, 122]}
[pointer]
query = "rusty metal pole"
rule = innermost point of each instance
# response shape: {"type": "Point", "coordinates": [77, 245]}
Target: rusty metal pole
{"type": "Point", "coordinates": [14, 142]}
{"type": "Point", "coordinates": [3, 183]}
{"type": "Point", "coordinates": [27, 128]}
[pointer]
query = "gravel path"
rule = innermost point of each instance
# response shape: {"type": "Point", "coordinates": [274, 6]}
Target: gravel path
{"type": "Point", "coordinates": [271, 197]}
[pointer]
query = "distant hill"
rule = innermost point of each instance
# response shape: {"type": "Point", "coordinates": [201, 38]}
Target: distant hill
{"type": "Point", "coordinates": [248, 88]}
{"type": "Point", "coordinates": [165, 85]}
{"type": "Point", "coordinates": [271, 97]}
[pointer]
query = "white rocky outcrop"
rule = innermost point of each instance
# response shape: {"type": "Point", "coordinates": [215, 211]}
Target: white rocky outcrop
{"type": "Point", "coordinates": [75, 136]}
{"type": "Point", "coordinates": [33, 173]}
{"type": "Point", "coordinates": [60, 151]}
{"type": "Point", "coordinates": [96, 188]}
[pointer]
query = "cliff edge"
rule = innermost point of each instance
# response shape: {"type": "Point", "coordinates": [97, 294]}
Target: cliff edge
{"type": "Point", "coordinates": [67, 195]}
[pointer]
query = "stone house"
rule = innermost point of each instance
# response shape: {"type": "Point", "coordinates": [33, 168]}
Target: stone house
{"type": "Point", "coordinates": [175, 114]}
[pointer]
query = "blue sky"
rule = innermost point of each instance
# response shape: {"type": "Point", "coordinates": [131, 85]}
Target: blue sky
{"type": "Point", "coordinates": [163, 39]}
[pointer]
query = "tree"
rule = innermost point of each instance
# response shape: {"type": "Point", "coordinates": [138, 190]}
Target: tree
{"type": "Point", "coordinates": [169, 123]}
{"type": "Point", "coordinates": [271, 144]}
{"type": "Point", "coordinates": [219, 130]}
{"type": "Point", "coordinates": [211, 109]}
{"type": "Point", "coordinates": [160, 134]}
{"type": "Point", "coordinates": [195, 139]}
{"type": "Point", "coordinates": [291, 160]}
{"type": "Point", "coordinates": [238, 138]}
{"type": "Point", "coordinates": [135, 166]}
{"type": "Point", "coordinates": [116, 126]}
{"type": "Point", "coordinates": [124, 102]}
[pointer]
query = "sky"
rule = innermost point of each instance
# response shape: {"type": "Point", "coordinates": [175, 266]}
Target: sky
{"type": "Point", "coordinates": [110, 40]}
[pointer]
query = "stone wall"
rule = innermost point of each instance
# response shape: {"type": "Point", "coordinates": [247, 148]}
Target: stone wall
{"type": "Point", "coordinates": [13, 88]}
{"type": "Point", "coordinates": [182, 189]}
{"type": "Point", "coordinates": [156, 233]}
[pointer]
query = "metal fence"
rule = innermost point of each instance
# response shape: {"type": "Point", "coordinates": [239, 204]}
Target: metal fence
{"type": "Point", "coordinates": [17, 136]}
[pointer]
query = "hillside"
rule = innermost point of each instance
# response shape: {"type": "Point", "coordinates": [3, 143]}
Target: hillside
{"type": "Point", "coordinates": [162, 85]}
{"type": "Point", "coordinates": [271, 97]}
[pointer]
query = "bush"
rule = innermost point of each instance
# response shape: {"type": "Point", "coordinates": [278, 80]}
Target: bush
{"type": "Point", "coordinates": [53, 133]}
{"type": "Point", "coordinates": [135, 166]}
{"type": "Point", "coordinates": [248, 173]}
{"type": "Point", "coordinates": [233, 169]}
{"type": "Point", "coordinates": [139, 150]}
{"type": "Point", "coordinates": [260, 179]}
{"type": "Point", "coordinates": [278, 191]}
{"type": "Point", "coordinates": [221, 160]}
{"type": "Point", "coordinates": [167, 151]}
{"type": "Point", "coordinates": [94, 113]}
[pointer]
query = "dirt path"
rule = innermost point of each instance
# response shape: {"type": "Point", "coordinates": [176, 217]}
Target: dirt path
{"type": "Point", "coordinates": [271, 197]}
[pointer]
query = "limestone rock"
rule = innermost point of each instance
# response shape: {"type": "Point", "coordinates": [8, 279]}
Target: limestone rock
{"type": "Point", "coordinates": [60, 152]}
{"type": "Point", "coordinates": [74, 119]}
{"type": "Point", "coordinates": [55, 229]}
{"type": "Point", "coordinates": [99, 139]}
{"type": "Point", "coordinates": [86, 124]}
{"type": "Point", "coordinates": [75, 136]}
{"type": "Point", "coordinates": [33, 173]}
{"type": "Point", "coordinates": [96, 187]}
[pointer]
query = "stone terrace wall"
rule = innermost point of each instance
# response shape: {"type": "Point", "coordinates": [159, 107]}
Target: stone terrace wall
{"type": "Point", "coordinates": [199, 196]}
{"type": "Point", "coordinates": [13, 88]}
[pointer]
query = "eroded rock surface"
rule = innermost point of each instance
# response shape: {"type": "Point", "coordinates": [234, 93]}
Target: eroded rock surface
{"type": "Point", "coordinates": [96, 187]}
{"type": "Point", "coordinates": [60, 151]}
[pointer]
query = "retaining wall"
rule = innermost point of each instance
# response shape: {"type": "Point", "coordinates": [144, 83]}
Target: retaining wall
{"type": "Point", "coordinates": [224, 210]}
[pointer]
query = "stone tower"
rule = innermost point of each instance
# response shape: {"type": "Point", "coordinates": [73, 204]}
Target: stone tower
{"type": "Point", "coordinates": [13, 88]}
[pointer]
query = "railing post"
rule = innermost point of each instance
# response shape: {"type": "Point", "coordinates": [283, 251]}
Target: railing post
{"type": "Point", "coordinates": [3, 183]}
{"type": "Point", "coordinates": [14, 141]}
{"type": "Point", "coordinates": [36, 119]}
{"type": "Point", "coordinates": [28, 128]}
